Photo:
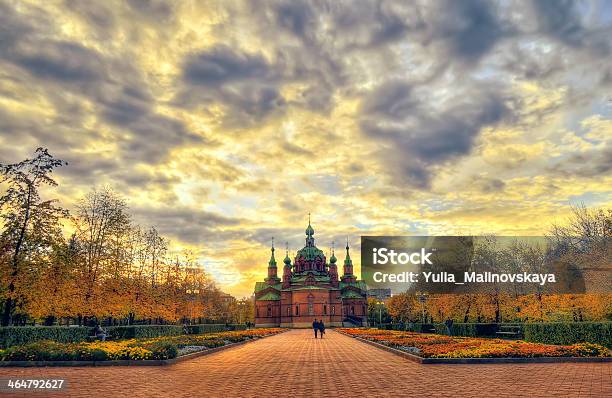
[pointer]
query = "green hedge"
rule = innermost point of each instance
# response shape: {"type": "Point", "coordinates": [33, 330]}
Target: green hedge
{"type": "Point", "coordinates": [213, 328]}
{"type": "Point", "coordinates": [16, 335]}
{"type": "Point", "coordinates": [564, 333]}
{"type": "Point", "coordinates": [472, 329]}
{"type": "Point", "coordinates": [458, 329]}
{"type": "Point", "coordinates": [142, 331]}
{"type": "Point", "coordinates": [569, 333]}
{"type": "Point", "coordinates": [412, 327]}
{"type": "Point", "coordinates": [239, 326]}
{"type": "Point", "coordinates": [205, 328]}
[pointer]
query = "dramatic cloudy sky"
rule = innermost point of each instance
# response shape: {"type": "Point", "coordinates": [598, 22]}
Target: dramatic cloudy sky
{"type": "Point", "coordinates": [226, 122]}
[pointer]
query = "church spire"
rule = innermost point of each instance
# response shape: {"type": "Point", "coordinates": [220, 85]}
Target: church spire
{"type": "Point", "coordinates": [287, 260]}
{"type": "Point", "coordinates": [272, 278]}
{"type": "Point", "coordinates": [348, 266]}
{"type": "Point", "coordinates": [347, 260]}
{"type": "Point", "coordinates": [272, 262]}
{"type": "Point", "coordinates": [309, 233]}
{"type": "Point", "coordinates": [333, 268]}
{"type": "Point", "coordinates": [309, 229]}
{"type": "Point", "coordinates": [287, 268]}
{"type": "Point", "coordinates": [333, 259]}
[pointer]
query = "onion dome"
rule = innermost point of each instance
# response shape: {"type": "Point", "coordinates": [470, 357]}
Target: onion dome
{"type": "Point", "coordinates": [309, 230]}
{"type": "Point", "coordinates": [333, 258]}
{"type": "Point", "coordinates": [287, 260]}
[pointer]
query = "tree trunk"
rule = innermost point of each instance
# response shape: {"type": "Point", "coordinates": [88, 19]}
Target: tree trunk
{"type": "Point", "coordinates": [9, 303]}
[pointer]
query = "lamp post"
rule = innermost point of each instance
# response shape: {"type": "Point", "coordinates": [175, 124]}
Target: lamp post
{"type": "Point", "coordinates": [380, 307]}
{"type": "Point", "coordinates": [422, 297]}
{"type": "Point", "coordinates": [192, 296]}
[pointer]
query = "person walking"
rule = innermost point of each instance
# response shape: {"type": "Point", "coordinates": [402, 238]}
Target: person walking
{"type": "Point", "coordinates": [315, 327]}
{"type": "Point", "coordinates": [321, 328]}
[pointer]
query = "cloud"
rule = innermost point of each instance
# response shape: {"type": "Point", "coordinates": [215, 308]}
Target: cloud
{"type": "Point", "coordinates": [593, 163]}
{"type": "Point", "coordinates": [115, 85]}
{"type": "Point", "coordinates": [245, 83]}
{"type": "Point", "coordinates": [221, 64]}
{"type": "Point", "coordinates": [222, 121]}
{"type": "Point", "coordinates": [468, 29]}
{"type": "Point", "coordinates": [419, 137]}
{"type": "Point", "coordinates": [490, 185]}
{"type": "Point", "coordinates": [97, 16]}
{"type": "Point", "coordinates": [561, 20]}
{"type": "Point", "coordinates": [157, 10]}
{"type": "Point", "coordinates": [58, 60]}
{"type": "Point", "coordinates": [189, 225]}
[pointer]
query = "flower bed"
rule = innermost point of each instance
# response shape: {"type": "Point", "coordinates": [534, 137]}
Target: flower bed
{"type": "Point", "coordinates": [439, 346]}
{"type": "Point", "coordinates": [160, 348]}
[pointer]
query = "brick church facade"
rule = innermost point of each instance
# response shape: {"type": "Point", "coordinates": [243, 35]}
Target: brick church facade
{"type": "Point", "coordinates": [310, 288]}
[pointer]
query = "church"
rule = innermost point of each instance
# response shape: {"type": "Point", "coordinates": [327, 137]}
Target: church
{"type": "Point", "coordinates": [310, 289]}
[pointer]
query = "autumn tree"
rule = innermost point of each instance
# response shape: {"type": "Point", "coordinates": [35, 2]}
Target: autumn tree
{"type": "Point", "coordinates": [403, 307]}
{"type": "Point", "coordinates": [102, 222]}
{"type": "Point", "coordinates": [30, 224]}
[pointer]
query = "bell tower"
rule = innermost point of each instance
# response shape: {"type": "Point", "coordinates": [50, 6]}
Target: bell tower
{"type": "Point", "coordinates": [272, 278]}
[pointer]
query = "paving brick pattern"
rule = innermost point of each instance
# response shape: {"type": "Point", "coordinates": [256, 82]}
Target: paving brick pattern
{"type": "Point", "coordinates": [294, 364]}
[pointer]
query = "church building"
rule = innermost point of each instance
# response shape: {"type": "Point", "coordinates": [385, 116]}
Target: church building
{"type": "Point", "coordinates": [310, 289]}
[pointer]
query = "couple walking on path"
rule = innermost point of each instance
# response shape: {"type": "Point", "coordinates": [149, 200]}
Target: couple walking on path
{"type": "Point", "coordinates": [318, 326]}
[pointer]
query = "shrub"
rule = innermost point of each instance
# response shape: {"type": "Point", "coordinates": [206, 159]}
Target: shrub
{"type": "Point", "coordinates": [142, 331]}
{"type": "Point", "coordinates": [163, 350]}
{"type": "Point", "coordinates": [205, 328]}
{"type": "Point", "coordinates": [16, 335]}
{"type": "Point", "coordinates": [19, 335]}
{"type": "Point", "coordinates": [569, 333]}
{"type": "Point", "coordinates": [589, 350]}
{"type": "Point", "coordinates": [238, 326]}
{"type": "Point", "coordinates": [41, 351]}
{"type": "Point", "coordinates": [473, 329]}
{"type": "Point", "coordinates": [214, 328]}
{"type": "Point", "coordinates": [94, 354]}
{"type": "Point", "coordinates": [418, 327]}
{"type": "Point", "coordinates": [212, 343]}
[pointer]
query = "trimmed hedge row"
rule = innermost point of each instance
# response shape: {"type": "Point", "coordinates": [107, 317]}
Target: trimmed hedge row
{"type": "Point", "coordinates": [569, 333]}
{"type": "Point", "coordinates": [457, 329]}
{"type": "Point", "coordinates": [213, 328]}
{"type": "Point", "coordinates": [18, 335]}
{"type": "Point", "coordinates": [563, 333]}
{"type": "Point", "coordinates": [142, 331]}
{"type": "Point", "coordinates": [472, 329]}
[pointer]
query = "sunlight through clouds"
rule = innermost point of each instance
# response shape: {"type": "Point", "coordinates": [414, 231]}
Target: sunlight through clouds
{"type": "Point", "coordinates": [225, 123]}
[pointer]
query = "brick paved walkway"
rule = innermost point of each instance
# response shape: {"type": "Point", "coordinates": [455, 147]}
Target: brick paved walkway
{"type": "Point", "coordinates": [294, 364]}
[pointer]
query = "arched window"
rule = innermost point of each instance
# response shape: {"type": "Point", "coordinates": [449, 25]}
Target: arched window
{"type": "Point", "coordinates": [310, 308]}
{"type": "Point", "coordinates": [297, 309]}
{"type": "Point", "coordinates": [352, 310]}
{"type": "Point", "coordinates": [324, 310]}
{"type": "Point", "coordinates": [333, 310]}
{"type": "Point", "coordinates": [288, 311]}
